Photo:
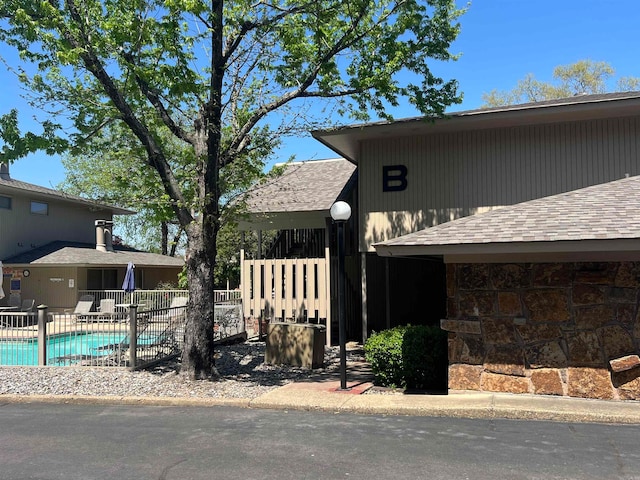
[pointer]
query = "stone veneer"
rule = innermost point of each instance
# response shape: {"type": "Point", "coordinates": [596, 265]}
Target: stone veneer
{"type": "Point", "coordinates": [570, 329]}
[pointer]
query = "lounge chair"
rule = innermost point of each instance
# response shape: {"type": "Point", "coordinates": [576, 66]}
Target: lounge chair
{"type": "Point", "coordinates": [18, 315]}
{"type": "Point", "coordinates": [107, 308]}
{"type": "Point", "coordinates": [179, 302]}
{"type": "Point", "coordinates": [160, 334]}
{"type": "Point", "coordinates": [15, 301]}
{"type": "Point", "coordinates": [106, 312]}
{"type": "Point", "coordinates": [27, 305]}
{"type": "Point", "coordinates": [176, 310]}
{"type": "Point", "coordinates": [83, 307]}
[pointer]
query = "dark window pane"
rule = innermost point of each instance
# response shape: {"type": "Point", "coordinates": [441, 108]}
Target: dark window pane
{"type": "Point", "coordinates": [40, 208]}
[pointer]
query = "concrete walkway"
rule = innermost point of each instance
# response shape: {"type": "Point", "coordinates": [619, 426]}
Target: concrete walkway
{"type": "Point", "coordinates": [324, 394]}
{"type": "Point", "coordinates": [321, 392]}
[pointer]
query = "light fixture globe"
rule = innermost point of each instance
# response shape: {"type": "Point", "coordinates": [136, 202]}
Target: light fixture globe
{"type": "Point", "coordinates": [340, 211]}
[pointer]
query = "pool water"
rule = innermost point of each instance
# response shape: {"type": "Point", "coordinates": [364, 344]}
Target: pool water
{"type": "Point", "coordinates": [64, 349]}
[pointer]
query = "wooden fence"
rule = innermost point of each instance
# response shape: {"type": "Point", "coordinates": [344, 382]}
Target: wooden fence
{"type": "Point", "coordinates": [294, 290]}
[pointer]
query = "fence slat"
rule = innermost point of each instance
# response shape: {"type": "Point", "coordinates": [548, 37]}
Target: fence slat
{"type": "Point", "coordinates": [279, 288]}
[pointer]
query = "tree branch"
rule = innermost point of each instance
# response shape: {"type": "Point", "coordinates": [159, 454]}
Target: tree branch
{"type": "Point", "coordinates": [154, 99]}
{"type": "Point", "coordinates": [241, 139]}
{"type": "Point", "coordinates": [247, 26]}
{"type": "Point", "coordinates": [155, 155]}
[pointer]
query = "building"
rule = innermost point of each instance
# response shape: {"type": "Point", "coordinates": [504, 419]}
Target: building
{"type": "Point", "coordinates": [291, 280]}
{"type": "Point", "coordinates": [474, 275]}
{"type": "Point", "coordinates": [54, 245]}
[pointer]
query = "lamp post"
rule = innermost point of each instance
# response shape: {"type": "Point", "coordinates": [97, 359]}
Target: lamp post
{"type": "Point", "coordinates": [340, 213]}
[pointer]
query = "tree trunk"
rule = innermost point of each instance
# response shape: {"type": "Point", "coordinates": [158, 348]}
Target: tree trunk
{"type": "Point", "coordinates": [202, 232]}
{"type": "Point", "coordinates": [198, 354]}
{"type": "Point", "coordinates": [164, 228]}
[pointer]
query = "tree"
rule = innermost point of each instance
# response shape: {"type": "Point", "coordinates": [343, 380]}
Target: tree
{"type": "Point", "coordinates": [582, 77]}
{"type": "Point", "coordinates": [129, 182]}
{"type": "Point", "coordinates": [16, 145]}
{"type": "Point", "coordinates": [227, 80]}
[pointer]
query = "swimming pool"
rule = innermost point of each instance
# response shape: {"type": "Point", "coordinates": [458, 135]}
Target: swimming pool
{"type": "Point", "coordinates": [65, 349]}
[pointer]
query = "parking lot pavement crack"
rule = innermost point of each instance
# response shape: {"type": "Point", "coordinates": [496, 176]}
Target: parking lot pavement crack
{"type": "Point", "coordinates": [165, 470]}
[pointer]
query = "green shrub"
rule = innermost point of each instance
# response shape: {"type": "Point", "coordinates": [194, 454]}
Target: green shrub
{"type": "Point", "coordinates": [383, 350]}
{"type": "Point", "coordinates": [424, 354]}
{"type": "Point", "coordinates": [412, 357]}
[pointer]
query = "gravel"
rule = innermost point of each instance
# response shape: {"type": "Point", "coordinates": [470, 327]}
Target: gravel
{"type": "Point", "coordinates": [243, 374]}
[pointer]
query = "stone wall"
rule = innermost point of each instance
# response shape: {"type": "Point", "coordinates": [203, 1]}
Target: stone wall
{"type": "Point", "coordinates": [570, 329]}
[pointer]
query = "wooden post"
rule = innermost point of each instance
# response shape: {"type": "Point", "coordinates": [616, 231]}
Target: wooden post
{"type": "Point", "coordinates": [244, 296]}
{"type": "Point", "coordinates": [327, 261]}
{"type": "Point", "coordinates": [363, 279]}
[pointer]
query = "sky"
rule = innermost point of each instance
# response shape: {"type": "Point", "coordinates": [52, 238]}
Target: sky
{"type": "Point", "coordinates": [501, 41]}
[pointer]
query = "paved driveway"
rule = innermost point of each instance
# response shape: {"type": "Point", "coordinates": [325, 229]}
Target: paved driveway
{"type": "Point", "coordinates": [47, 441]}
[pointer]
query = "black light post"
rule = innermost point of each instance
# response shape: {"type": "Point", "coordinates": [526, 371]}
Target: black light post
{"type": "Point", "coordinates": [340, 212]}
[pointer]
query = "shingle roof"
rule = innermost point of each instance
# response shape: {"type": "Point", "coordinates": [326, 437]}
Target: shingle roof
{"type": "Point", "coordinates": [556, 102]}
{"type": "Point", "coordinates": [73, 253]}
{"type": "Point", "coordinates": [609, 211]}
{"type": "Point", "coordinates": [302, 187]}
{"type": "Point", "coordinates": [11, 183]}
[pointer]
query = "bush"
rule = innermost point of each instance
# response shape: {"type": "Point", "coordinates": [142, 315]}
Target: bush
{"type": "Point", "coordinates": [412, 357]}
{"type": "Point", "coordinates": [424, 352]}
{"type": "Point", "coordinates": [383, 351]}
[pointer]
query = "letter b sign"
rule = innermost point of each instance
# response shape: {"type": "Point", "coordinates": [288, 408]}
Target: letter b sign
{"type": "Point", "coordinates": [394, 178]}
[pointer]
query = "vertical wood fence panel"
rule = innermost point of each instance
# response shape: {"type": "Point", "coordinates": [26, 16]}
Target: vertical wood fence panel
{"type": "Point", "coordinates": [293, 290]}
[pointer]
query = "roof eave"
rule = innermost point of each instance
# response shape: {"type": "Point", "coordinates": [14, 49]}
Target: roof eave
{"type": "Point", "coordinates": [95, 206]}
{"type": "Point", "coordinates": [346, 140]}
{"type": "Point", "coordinates": [284, 220]}
{"type": "Point", "coordinates": [578, 250]}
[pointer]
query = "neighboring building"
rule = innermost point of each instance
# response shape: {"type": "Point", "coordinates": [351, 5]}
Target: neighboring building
{"type": "Point", "coordinates": [54, 245]}
{"type": "Point", "coordinates": [414, 174]}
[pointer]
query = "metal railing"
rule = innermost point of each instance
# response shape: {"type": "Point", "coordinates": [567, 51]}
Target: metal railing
{"type": "Point", "coordinates": [18, 338]}
{"type": "Point", "coordinates": [134, 337]}
{"type": "Point", "coordinates": [155, 299]}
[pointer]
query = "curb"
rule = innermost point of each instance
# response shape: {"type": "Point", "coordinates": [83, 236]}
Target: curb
{"type": "Point", "coordinates": [323, 397]}
{"type": "Point", "coordinates": [112, 400]}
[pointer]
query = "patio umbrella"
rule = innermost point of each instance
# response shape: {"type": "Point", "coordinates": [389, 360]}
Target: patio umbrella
{"type": "Point", "coordinates": [1, 278]}
{"type": "Point", "coordinates": [129, 284]}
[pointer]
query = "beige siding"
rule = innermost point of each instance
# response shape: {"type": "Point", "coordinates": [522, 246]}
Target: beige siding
{"type": "Point", "coordinates": [51, 287]}
{"type": "Point", "coordinates": [21, 231]}
{"type": "Point", "coordinates": [457, 174]}
{"type": "Point", "coordinates": [57, 287]}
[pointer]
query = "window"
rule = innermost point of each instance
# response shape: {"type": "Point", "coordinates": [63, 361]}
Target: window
{"type": "Point", "coordinates": [5, 202]}
{"type": "Point", "coordinates": [102, 279]}
{"type": "Point", "coordinates": [40, 208]}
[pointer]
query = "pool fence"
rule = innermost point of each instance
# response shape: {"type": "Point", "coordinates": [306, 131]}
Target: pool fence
{"type": "Point", "coordinates": [133, 336]}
